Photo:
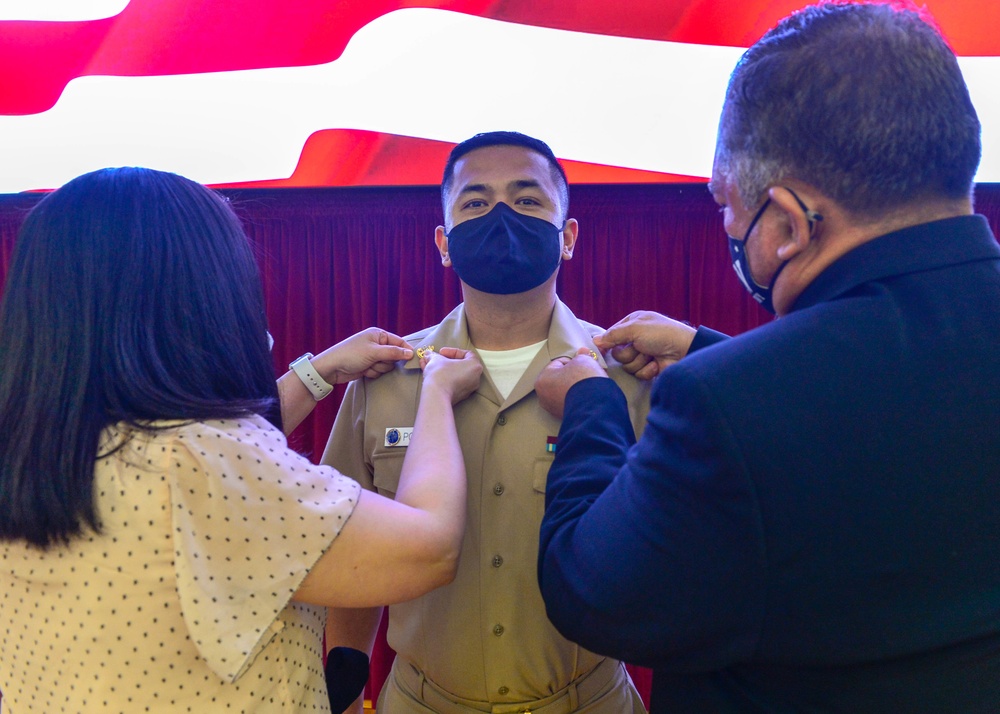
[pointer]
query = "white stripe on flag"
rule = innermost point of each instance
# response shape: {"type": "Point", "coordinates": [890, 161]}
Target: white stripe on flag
{"type": "Point", "coordinates": [60, 10]}
{"type": "Point", "coordinates": [425, 73]}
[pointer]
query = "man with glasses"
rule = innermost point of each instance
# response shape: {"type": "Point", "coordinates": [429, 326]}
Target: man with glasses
{"type": "Point", "coordinates": [809, 520]}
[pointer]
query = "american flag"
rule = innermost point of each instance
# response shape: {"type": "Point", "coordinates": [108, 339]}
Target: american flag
{"type": "Point", "coordinates": [375, 92]}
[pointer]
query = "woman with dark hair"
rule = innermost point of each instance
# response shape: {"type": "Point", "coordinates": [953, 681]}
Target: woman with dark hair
{"type": "Point", "coordinates": [161, 547]}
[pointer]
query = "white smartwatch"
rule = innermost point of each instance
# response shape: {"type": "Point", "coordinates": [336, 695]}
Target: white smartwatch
{"type": "Point", "coordinates": [317, 386]}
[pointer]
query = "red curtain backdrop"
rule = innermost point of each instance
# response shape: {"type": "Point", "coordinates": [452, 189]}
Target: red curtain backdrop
{"type": "Point", "coordinates": [337, 260]}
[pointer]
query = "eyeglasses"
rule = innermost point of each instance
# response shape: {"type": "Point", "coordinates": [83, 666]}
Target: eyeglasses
{"type": "Point", "coordinates": [812, 216]}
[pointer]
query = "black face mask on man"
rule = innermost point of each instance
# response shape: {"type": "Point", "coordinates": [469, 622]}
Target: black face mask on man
{"type": "Point", "coordinates": [741, 261]}
{"type": "Point", "coordinates": [741, 264]}
{"type": "Point", "coordinates": [504, 252]}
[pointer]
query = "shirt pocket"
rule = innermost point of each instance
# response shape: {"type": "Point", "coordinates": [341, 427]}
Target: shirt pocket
{"type": "Point", "coordinates": [540, 473]}
{"type": "Point", "coordinates": [387, 467]}
{"type": "Point", "coordinates": [540, 476]}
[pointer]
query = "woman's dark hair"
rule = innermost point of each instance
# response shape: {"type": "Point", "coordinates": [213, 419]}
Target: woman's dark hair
{"type": "Point", "coordinates": [133, 296]}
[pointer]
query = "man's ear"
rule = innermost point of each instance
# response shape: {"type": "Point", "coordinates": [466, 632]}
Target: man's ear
{"type": "Point", "coordinates": [441, 241]}
{"type": "Point", "coordinates": [570, 233]}
{"type": "Point", "coordinates": [799, 229]}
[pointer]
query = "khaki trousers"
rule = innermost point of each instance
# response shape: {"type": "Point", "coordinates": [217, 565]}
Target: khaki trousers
{"type": "Point", "coordinates": [607, 689]}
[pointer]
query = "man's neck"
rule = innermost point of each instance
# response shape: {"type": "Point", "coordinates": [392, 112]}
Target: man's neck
{"type": "Point", "coordinates": [844, 232]}
{"type": "Point", "coordinates": [506, 322]}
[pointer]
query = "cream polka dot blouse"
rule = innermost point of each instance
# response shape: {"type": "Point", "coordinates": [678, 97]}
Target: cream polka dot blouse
{"type": "Point", "coordinates": [182, 602]}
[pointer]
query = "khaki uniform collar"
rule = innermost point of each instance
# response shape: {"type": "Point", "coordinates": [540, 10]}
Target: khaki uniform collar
{"type": "Point", "coordinates": [566, 335]}
{"type": "Point", "coordinates": [452, 331]}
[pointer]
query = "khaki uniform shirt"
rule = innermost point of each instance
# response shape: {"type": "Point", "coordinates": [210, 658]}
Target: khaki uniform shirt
{"type": "Point", "coordinates": [484, 637]}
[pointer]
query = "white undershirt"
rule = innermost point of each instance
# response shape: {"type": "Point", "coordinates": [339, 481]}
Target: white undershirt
{"type": "Point", "coordinates": [507, 366]}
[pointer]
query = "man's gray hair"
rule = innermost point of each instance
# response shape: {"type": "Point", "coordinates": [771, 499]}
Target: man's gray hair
{"type": "Point", "coordinates": [864, 101]}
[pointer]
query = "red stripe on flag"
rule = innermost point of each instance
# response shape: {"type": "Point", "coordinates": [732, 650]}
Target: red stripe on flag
{"type": "Point", "coordinates": [351, 157]}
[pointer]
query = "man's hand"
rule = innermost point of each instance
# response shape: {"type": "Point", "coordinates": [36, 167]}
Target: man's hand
{"type": "Point", "coordinates": [370, 353]}
{"type": "Point", "coordinates": [646, 342]}
{"type": "Point", "coordinates": [562, 373]}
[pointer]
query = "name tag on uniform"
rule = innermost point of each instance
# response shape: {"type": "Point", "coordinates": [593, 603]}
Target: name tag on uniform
{"type": "Point", "coordinates": [398, 435]}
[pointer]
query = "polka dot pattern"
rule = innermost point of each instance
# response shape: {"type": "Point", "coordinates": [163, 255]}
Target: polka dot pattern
{"type": "Point", "coordinates": [182, 602]}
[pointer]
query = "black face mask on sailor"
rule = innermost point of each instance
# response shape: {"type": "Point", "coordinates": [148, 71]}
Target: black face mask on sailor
{"type": "Point", "coordinates": [505, 252]}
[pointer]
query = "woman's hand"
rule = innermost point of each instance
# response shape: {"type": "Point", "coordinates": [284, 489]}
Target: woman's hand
{"type": "Point", "coordinates": [454, 370]}
{"type": "Point", "coordinates": [370, 353]}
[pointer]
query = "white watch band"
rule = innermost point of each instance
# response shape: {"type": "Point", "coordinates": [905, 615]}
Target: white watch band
{"type": "Point", "coordinates": [317, 386]}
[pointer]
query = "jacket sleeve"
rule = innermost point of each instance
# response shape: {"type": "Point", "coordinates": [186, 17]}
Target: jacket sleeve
{"type": "Point", "coordinates": [704, 337]}
{"type": "Point", "coordinates": [652, 553]}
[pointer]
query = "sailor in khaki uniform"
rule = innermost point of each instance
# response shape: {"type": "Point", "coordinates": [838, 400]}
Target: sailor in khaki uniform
{"type": "Point", "coordinates": [483, 642]}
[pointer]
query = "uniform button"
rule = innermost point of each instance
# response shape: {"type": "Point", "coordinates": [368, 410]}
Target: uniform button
{"type": "Point", "coordinates": [501, 420]}
{"type": "Point", "coordinates": [503, 691]}
{"type": "Point", "coordinates": [497, 561]}
{"type": "Point", "coordinates": [497, 630]}
{"type": "Point", "coordinates": [498, 489]}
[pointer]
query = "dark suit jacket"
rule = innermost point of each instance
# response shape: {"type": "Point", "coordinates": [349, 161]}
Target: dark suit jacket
{"type": "Point", "coordinates": [811, 519]}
